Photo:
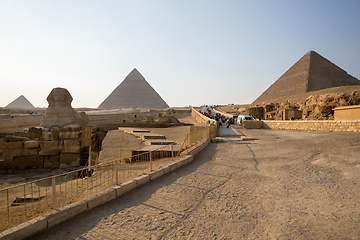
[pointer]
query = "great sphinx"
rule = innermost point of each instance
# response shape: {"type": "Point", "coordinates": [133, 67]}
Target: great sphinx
{"type": "Point", "coordinates": [59, 113]}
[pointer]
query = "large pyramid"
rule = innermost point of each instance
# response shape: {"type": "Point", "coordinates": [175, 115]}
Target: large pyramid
{"type": "Point", "coordinates": [134, 92]}
{"type": "Point", "coordinates": [20, 103]}
{"type": "Point", "coordinates": [311, 73]}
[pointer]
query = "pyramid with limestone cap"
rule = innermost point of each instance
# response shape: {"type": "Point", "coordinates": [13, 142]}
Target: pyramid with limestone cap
{"type": "Point", "coordinates": [134, 92]}
{"type": "Point", "coordinates": [312, 72]}
{"type": "Point", "coordinates": [20, 103]}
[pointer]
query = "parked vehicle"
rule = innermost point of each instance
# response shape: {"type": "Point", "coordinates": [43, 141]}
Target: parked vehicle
{"type": "Point", "coordinates": [242, 118]}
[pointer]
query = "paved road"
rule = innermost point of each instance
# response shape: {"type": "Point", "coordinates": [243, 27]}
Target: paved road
{"type": "Point", "coordinates": [286, 185]}
{"type": "Point", "coordinates": [224, 131]}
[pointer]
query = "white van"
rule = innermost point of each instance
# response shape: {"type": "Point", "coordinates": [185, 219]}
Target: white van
{"type": "Point", "coordinates": [241, 118]}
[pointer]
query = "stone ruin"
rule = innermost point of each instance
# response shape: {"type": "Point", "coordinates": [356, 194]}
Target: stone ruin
{"type": "Point", "coordinates": [57, 143]}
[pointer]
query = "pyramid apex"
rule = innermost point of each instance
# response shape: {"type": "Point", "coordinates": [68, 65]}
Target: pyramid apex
{"type": "Point", "coordinates": [135, 70]}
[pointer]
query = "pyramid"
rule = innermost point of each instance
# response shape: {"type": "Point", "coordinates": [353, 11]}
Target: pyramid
{"type": "Point", "coordinates": [134, 92]}
{"type": "Point", "coordinates": [20, 103]}
{"type": "Point", "coordinates": [312, 72]}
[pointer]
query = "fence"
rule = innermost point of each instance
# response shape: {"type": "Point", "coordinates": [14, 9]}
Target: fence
{"type": "Point", "coordinates": [26, 201]}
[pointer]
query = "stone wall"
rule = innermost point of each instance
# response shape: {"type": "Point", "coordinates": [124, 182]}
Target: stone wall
{"type": "Point", "coordinates": [201, 118]}
{"type": "Point", "coordinates": [35, 149]}
{"type": "Point", "coordinates": [205, 120]}
{"type": "Point", "coordinates": [314, 125]}
{"type": "Point", "coordinates": [252, 124]}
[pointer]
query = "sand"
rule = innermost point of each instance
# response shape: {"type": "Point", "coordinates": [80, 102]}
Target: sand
{"type": "Point", "coordinates": [285, 185]}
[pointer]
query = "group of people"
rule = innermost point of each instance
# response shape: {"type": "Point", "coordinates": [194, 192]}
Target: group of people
{"type": "Point", "coordinates": [220, 119]}
{"type": "Point", "coordinates": [223, 120]}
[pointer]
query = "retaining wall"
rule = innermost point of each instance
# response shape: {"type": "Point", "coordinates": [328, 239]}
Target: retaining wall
{"type": "Point", "coordinates": [314, 125]}
{"type": "Point", "coordinates": [201, 118]}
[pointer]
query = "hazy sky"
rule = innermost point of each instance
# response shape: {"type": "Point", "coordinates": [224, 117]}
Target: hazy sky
{"type": "Point", "coordinates": [192, 52]}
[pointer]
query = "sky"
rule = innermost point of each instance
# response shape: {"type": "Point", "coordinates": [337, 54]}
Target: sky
{"type": "Point", "coordinates": [192, 52]}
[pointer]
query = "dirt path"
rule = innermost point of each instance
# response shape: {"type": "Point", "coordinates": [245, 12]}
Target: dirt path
{"type": "Point", "coordinates": [286, 185]}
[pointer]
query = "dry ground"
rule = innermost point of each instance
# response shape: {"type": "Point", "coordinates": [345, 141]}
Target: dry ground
{"type": "Point", "coordinates": [285, 185]}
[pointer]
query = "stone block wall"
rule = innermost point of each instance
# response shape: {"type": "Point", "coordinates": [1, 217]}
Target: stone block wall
{"type": "Point", "coordinates": [314, 125]}
{"type": "Point", "coordinates": [59, 148]}
{"type": "Point", "coordinates": [252, 124]}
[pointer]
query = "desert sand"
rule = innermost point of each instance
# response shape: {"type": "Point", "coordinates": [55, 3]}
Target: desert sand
{"type": "Point", "coordinates": [285, 185]}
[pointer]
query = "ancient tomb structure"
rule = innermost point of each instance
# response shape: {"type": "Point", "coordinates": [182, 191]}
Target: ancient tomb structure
{"type": "Point", "coordinates": [59, 112]}
{"type": "Point", "coordinates": [20, 103]}
{"type": "Point", "coordinates": [311, 73]}
{"type": "Point", "coordinates": [134, 92]}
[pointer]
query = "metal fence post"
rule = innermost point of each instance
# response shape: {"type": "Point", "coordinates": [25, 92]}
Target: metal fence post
{"type": "Point", "coordinates": [150, 162]}
{"type": "Point", "coordinates": [116, 173]}
{"type": "Point", "coordinates": [54, 192]}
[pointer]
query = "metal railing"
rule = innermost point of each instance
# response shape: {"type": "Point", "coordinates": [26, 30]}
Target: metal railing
{"type": "Point", "coordinates": [26, 201]}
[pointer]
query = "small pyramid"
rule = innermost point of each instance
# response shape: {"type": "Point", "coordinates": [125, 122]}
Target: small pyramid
{"type": "Point", "coordinates": [20, 103]}
{"type": "Point", "coordinates": [134, 92]}
{"type": "Point", "coordinates": [312, 72]}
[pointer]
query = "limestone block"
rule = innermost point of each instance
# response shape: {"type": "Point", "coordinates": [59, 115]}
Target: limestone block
{"type": "Point", "coordinates": [1, 143]}
{"type": "Point", "coordinates": [71, 146]}
{"type": "Point", "coordinates": [55, 133]}
{"type": "Point", "coordinates": [156, 174]}
{"type": "Point", "coordinates": [65, 213]}
{"type": "Point", "coordinates": [69, 160]}
{"type": "Point", "coordinates": [101, 198]}
{"type": "Point", "coordinates": [31, 151]}
{"type": "Point", "coordinates": [13, 145]}
{"type": "Point", "coordinates": [47, 136]}
{"type": "Point", "coordinates": [15, 139]}
{"type": "Point", "coordinates": [69, 135]}
{"type": "Point", "coordinates": [167, 169]}
{"type": "Point", "coordinates": [26, 229]}
{"type": "Point", "coordinates": [28, 162]}
{"type": "Point", "coordinates": [125, 187]}
{"type": "Point", "coordinates": [180, 163]}
{"type": "Point", "coordinates": [72, 128]}
{"type": "Point", "coordinates": [52, 161]}
{"type": "Point", "coordinates": [142, 179]}
{"type": "Point", "coordinates": [31, 144]}
{"type": "Point", "coordinates": [9, 154]}
{"type": "Point", "coordinates": [35, 133]}
{"type": "Point", "coordinates": [49, 148]}
{"type": "Point", "coordinates": [173, 166]}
